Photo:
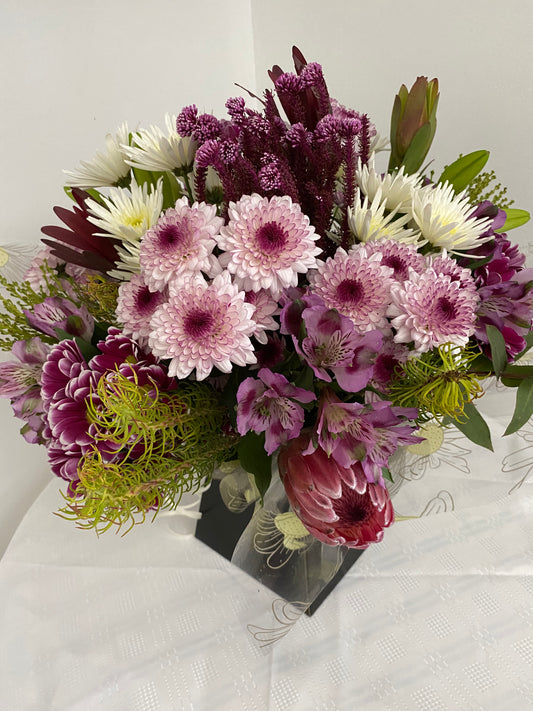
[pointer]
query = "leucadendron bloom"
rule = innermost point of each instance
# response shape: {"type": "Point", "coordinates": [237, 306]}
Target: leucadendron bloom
{"type": "Point", "coordinates": [336, 504]}
{"type": "Point", "coordinates": [414, 116]}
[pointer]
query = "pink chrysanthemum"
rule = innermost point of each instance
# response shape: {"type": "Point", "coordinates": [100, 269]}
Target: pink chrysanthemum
{"type": "Point", "coordinates": [443, 264]}
{"type": "Point", "coordinates": [265, 308]}
{"type": "Point", "coordinates": [135, 307]}
{"type": "Point", "coordinates": [181, 242]}
{"type": "Point", "coordinates": [397, 255]}
{"type": "Point", "coordinates": [267, 243]}
{"type": "Point", "coordinates": [202, 326]}
{"type": "Point", "coordinates": [430, 309]}
{"type": "Point", "coordinates": [357, 285]}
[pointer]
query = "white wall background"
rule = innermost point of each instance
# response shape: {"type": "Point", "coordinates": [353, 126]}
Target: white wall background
{"type": "Point", "coordinates": [73, 70]}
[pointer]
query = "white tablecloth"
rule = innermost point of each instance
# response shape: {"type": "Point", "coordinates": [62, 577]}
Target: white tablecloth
{"type": "Point", "coordinates": [438, 616]}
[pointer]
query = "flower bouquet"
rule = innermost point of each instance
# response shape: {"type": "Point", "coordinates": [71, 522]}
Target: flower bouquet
{"type": "Point", "coordinates": [254, 295]}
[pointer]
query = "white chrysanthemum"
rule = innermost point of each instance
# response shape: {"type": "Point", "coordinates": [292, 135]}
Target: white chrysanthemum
{"type": "Point", "coordinates": [181, 242]}
{"type": "Point", "coordinates": [203, 326]}
{"type": "Point", "coordinates": [127, 214]}
{"type": "Point", "coordinates": [369, 222]}
{"type": "Point", "coordinates": [443, 219]}
{"type": "Point", "coordinates": [106, 168]}
{"type": "Point", "coordinates": [153, 149]}
{"type": "Point", "coordinates": [396, 188]}
{"type": "Point", "coordinates": [267, 243]}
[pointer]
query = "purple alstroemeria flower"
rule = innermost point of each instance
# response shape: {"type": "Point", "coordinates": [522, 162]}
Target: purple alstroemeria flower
{"type": "Point", "coordinates": [21, 382]}
{"type": "Point", "coordinates": [58, 313]}
{"type": "Point", "coordinates": [29, 408]}
{"type": "Point", "coordinates": [371, 433]}
{"type": "Point", "coordinates": [509, 307]}
{"type": "Point", "coordinates": [332, 343]}
{"type": "Point", "coordinates": [294, 302]}
{"type": "Point", "coordinates": [267, 405]}
{"type": "Point", "coordinates": [16, 378]}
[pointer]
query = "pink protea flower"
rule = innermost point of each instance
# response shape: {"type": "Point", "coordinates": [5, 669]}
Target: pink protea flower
{"type": "Point", "coordinates": [265, 308]}
{"type": "Point", "coordinates": [203, 326]}
{"type": "Point", "coordinates": [267, 243]}
{"type": "Point", "coordinates": [358, 286]}
{"type": "Point", "coordinates": [181, 242]}
{"type": "Point", "coordinates": [397, 255]}
{"type": "Point", "coordinates": [336, 504]}
{"type": "Point", "coordinates": [431, 309]}
{"type": "Point", "coordinates": [135, 307]}
{"type": "Point", "coordinates": [267, 404]}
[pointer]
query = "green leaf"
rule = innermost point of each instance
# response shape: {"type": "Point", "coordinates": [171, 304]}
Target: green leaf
{"type": "Point", "coordinates": [474, 427]}
{"type": "Point", "coordinates": [497, 349]}
{"type": "Point", "coordinates": [462, 171]}
{"type": "Point", "coordinates": [171, 190]}
{"type": "Point", "coordinates": [515, 218]}
{"type": "Point", "coordinates": [417, 151]}
{"type": "Point", "coordinates": [524, 406]}
{"type": "Point", "coordinates": [515, 374]}
{"type": "Point", "coordinates": [255, 460]}
{"type": "Point", "coordinates": [481, 364]}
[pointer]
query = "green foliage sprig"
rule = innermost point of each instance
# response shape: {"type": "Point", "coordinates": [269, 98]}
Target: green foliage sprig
{"type": "Point", "coordinates": [484, 187]}
{"type": "Point", "coordinates": [17, 297]}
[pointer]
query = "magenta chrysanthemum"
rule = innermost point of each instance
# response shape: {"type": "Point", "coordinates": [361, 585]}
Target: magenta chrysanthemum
{"type": "Point", "coordinates": [267, 243]}
{"type": "Point", "coordinates": [135, 307]}
{"type": "Point", "coordinates": [357, 285]}
{"type": "Point", "coordinates": [430, 309]}
{"type": "Point", "coordinates": [202, 326]}
{"type": "Point", "coordinates": [397, 255]}
{"type": "Point", "coordinates": [181, 242]}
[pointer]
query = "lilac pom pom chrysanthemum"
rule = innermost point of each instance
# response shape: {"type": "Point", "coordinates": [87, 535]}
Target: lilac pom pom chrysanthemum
{"type": "Point", "coordinates": [267, 243]}
{"type": "Point", "coordinates": [181, 242]}
{"type": "Point", "coordinates": [202, 326]}
{"type": "Point", "coordinates": [358, 286]}
{"type": "Point", "coordinates": [430, 310]}
{"type": "Point", "coordinates": [135, 307]}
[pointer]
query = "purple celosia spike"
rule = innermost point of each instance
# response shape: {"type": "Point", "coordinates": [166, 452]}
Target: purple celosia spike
{"type": "Point", "coordinates": [186, 121]}
{"type": "Point", "coordinates": [276, 178]}
{"type": "Point", "coordinates": [364, 139]}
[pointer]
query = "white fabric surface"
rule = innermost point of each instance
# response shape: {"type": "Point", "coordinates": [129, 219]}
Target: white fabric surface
{"type": "Point", "coordinates": [436, 617]}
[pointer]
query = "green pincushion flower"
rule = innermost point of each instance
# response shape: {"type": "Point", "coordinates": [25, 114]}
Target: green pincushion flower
{"type": "Point", "coordinates": [438, 382]}
{"type": "Point", "coordinates": [149, 448]}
